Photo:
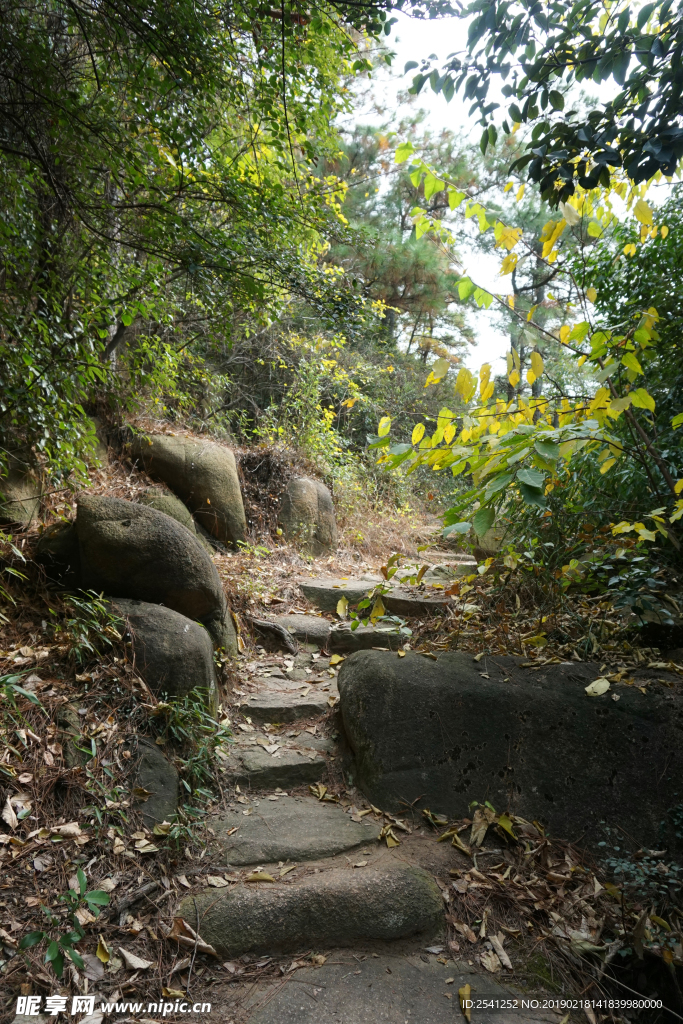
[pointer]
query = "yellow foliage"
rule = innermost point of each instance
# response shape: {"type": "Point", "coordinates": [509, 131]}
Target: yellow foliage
{"type": "Point", "coordinates": [537, 363]}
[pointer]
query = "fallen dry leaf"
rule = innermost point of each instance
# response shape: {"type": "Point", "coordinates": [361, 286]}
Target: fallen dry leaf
{"type": "Point", "coordinates": [490, 961]}
{"type": "Point", "coordinates": [216, 881]}
{"type": "Point", "coordinates": [8, 815]}
{"type": "Point", "coordinates": [183, 881]}
{"type": "Point", "coordinates": [497, 943]}
{"type": "Point", "coordinates": [133, 962]}
{"type": "Point", "coordinates": [464, 997]}
{"type": "Point", "coordinates": [94, 968]}
{"type": "Point", "coordinates": [598, 687]}
{"type": "Point", "coordinates": [185, 935]}
{"type": "Point", "coordinates": [102, 953]}
{"type": "Point", "coordinates": [69, 831]}
{"type": "Point", "coordinates": [259, 876]}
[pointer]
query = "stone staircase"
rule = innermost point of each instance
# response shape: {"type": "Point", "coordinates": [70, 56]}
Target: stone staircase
{"type": "Point", "coordinates": [300, 866]}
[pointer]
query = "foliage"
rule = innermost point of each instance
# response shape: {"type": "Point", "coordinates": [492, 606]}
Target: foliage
{"type": "Point", "coordinates": [61, 944]}
{"type": "Point", "coordinates": [89, 627]}
{"type": "Point", "coordinates": [156, 176]}
{"type": "Point", "coordinates": [523, 446]}
{"type": "Point", "coordinates": [557, 45]}
{"type": "Point", "coordinates": [187, 722]}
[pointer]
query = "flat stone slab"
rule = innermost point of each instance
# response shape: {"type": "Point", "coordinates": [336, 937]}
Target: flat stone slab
{"type": "Point", "coordinates": [385, 988]}
{"type": "Point", "coordinates": [441, 732]}
{"type": "Point", "coordinates": [325, 593]}
{"type": "Point", "coordinates": [257, 768]}
{"type": "Point", "coordinates": [285, 707]}
{"type": "Point", "coordinates": [345, 641]}
{"type": "Point", "coordinates": [336, 907]}
{"type": "Point", "coordinates": [312, 629]}
{"type": "Point", "coordinates": [401, 600]}
{"type": "Point", "coordinates": [290, 828]}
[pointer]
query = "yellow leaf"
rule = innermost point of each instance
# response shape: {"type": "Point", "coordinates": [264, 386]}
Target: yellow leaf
{"type": "Point", "coordinates": [377, 610]}
{"type": "Point", "coordinates": [520, 193]}
{"type": "Point", "coordinates": [102, 953]}
{"type": "Point", "coordinates": [630, 249]}
{"type": "Point", "coordinates": [449, 432]}
{"type": "Point", "coordinates": [591, 294]}
{"type": "Point", "coordinates": [530, 376]}
{"type": "Point", "coordinates": [643, 212]}
{"type": "Point", "coordinates": [173, 993]}
{"type": "Point", "coordinates": [488, 391]}
{"type": "Point", "coordinates": [511, 301]}
{"type": "Point", "coordinates": [336, 659]}
{"type": "Point", "coordinates": [418, 433]}
{"type": "Point", "coordinates": [509, 185]}
{"type": "Point", "coordinates": [342, 607]}
{"type": "Point", "coordinates": [465, 998]}
{"type": "Point", "coordinates": [664, 230]}
{"type": "Point", "coordinates": [440, 368]}
{"type": "Point", "coordinates": [537, 363]}
{"type": "Point", "coordinates": [514, 378]}
{"type": "Point", "coordinates": [508, 264]}
{"type": "Point", "coordinates": [384, 426]}
{"type": "Point", "coordinates": [259, 876]}
{"type": "Point", "coordinates": [565, 331]}
{"type": "Point", "coordinates": [607, 465]}
{"type": "Point", "coordinates": [401, 654]}
{"type": "Point", "coordinates": [679, 487]}
{"type": "Point", "coordinates": [391, 840]}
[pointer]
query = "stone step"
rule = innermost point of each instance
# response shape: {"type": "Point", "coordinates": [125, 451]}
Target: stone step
{"type": "Point", "coordinates": [343, 640]}
{"type": "Point", "coordinates": [400, 600]}
{"type": "Point", "coordinates": [357, 987]}
{"type": "Point", "coordinates": [330, 908]}
{"type": "Point", "coordinates": [288, 707]}
{"type": "Point", "coordinates": [258, 769]}
{"type": "Point", "coordinates": [287, 828]}
{"type": "Point", "coordinates": [307, 629]}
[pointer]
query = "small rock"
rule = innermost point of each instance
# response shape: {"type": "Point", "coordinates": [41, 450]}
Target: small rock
{"type": "Point", "coordinates": [154, 773]}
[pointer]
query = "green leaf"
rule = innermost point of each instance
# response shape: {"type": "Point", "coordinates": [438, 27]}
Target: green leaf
{"type": "Point", "coordinates": [497, 484]}
{"type": "Point", "coordinates": [631, 363]}
{"type": "Point", "coordinates": [433, 185]}
{"type": "Point", "coordinates": [532, 496]}
{"type": "Point", "coordinates": [531, 478]}
{"type": "Point", "coordinates": [98, 897]}
{"type": "Point", "coordinates": [548, 449]}
{"type": "Point", "coordinates": [465, 288]}
{"type": "Point", "coordinates": [556, 99]}
{"type": "Point", "coordinates": [76, 957]}
{"type": "Point", "coordinates": [32, 939]}
{"type": "Point", "coordinates": [82, 881]}
{"type": "Point", "coordinates": [642, 400]}
{"type": "Point", "coordinates": [677, 421]}
{"type": "Point", "coordinates": [483, 520]}
{"type": "Point", "coordinates": [403, 152]}
{"type": "Point", "coordinates": [457, 528]}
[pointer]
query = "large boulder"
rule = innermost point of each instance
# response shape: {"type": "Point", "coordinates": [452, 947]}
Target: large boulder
{"type": "Point", "coordinates": [332, 908]}
{"type": "Point", "coordinates": [444, 733]}
{"type": "Point", "coordinates": [155, 779]}
{"type": "Point", "coordinates": [204, 474]}
{"type": "Point", "coordinates": [166, 502]}
{"type": "Point", "coordinates": [128, 550]}
{"type": "Point", "coordinates": [173, 654]}
{"type": "Point", "coordinates": [20, 491]}
{"type": "Point", "coordinates": [307, 515]}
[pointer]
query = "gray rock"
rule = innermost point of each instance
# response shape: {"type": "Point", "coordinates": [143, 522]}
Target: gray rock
{"type": "Point", "coordinates": [306, 628]}
{"type": "Point", "coordinates": [20, 491]}
{"type": "Point", "coordinates": [58, 553]}
{"type": "Point", "coordinates": [166, 501]}
{"type": "Point", "coordinates": [257, 768]}
{"type": "Point", "coordinates": [155, 773]}
{"type": "Point", "coordinates": [530, 742]}
{"type": "Point", "coordinates": [307, 515]}
{"type": "Point", "coordinates": [307, 741]}
{"type": "Point", "coordinates": [290, 828]}
{"type": "Point", "coordinates": [344, 640]}
{"type": "Point", "coordinates": [400, 600]}
{"type": "Point", "coordinates": [325, 593]}
{"type": "Point", "coordinates": [389, 988]}
{"type": "Point", "coordinates": [128, 550]}
{"type": "Point", "coordinates": [332, 908]}
{"type": "Point", "coordinates": [414, 601]}
{"type": "Point", "coordinates": [285, 707]}
{"type": "Point", "coordinates": [204, 474]}
{"type": "Point", "coordinates": [173, 654]}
